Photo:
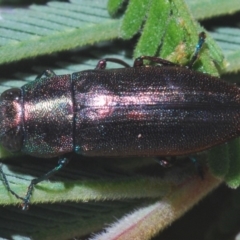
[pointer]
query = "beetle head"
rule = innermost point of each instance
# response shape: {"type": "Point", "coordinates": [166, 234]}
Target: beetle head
{"type": "Point", "coordinates": [11, 135]}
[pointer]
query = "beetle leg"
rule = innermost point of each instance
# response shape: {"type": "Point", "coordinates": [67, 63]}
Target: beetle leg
{"type": "Point", "coordinates": [139, 61]}
{"type": "Point", "coordinates": [5, 182]}
{"type": "Point", "coordinates": [198, 167]}
{"type": "Point", "coordinates": [103, 63]}
{"type": "Point", "coordinates": [61, 164]}
{"type": "Point", "coordinates": [201, 40]}
{"type": "Point", "coordinates": [47, 73]}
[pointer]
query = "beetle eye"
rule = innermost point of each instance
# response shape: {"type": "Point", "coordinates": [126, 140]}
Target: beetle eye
{"type": "Point", "coordinates": [11, 94]}
{"type": "Point", "coordinates": [12, 140]}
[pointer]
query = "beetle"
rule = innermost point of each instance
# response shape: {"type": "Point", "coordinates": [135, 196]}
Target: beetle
{"type": "Point", "coordinates": [163, 110]}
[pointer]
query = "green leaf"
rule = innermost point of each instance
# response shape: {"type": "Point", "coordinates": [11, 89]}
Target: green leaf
{"type": "Point", "coordinates": [133, 18]}
{"type": "Point", "coordinates": [179, 31]}
{"type": "Point", "coordinates": [144, 223]}
{"type": "Point", "coordinates": [229, 41]}
{"type": "Point", "coordinates": [25, 2]}
{"type": "Point", "coordinates": [218, 160]}
{"type": "Point", "coordinates": [206, 9]}
{"type": "Point", "coordinates": [153, 30]}
{"type": "Point", "coordinates": [83, 190]}
{"type": "Point", "coordinates": [233, 176]}
{"type": "Point", "coordinates": [59, 26]}
{"type": "Point", "coordinates": [201, 10]}
{"type": "Point", "coordinates": [113, 6]}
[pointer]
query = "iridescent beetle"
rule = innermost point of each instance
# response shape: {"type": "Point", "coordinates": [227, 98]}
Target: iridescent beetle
{"type": "Point", "coordinates": [166, 110]}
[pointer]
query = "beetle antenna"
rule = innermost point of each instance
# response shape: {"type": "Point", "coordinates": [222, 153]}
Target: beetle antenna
{"type": "Point", "coordinates": [61, 164]}
{"type": "Point", "coordinates": [26, 200]}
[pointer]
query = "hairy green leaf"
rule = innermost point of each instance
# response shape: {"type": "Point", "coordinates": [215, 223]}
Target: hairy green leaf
{"type": "Point", "coordinates": [113, 6]}
{"type": "Point", "coordinates": [133, 18]}
{"type": "Point", "coordinates": [207, 9]}
{"type": "Point", "coordinates": [59, 26]}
